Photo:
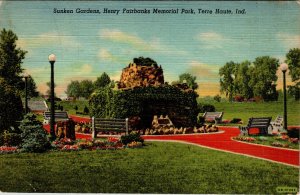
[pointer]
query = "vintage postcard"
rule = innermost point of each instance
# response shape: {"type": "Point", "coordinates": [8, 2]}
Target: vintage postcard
{"type": "Point", "coordinates": [189, 97]}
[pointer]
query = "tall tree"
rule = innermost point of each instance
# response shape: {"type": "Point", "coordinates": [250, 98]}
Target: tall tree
{"type": "Point", "coordinates": [293, 60]}
{"type": "Point", "coordinates": [189, 79]}
{"type": "Point", "coordinates": [73, 89]}
{"type": "Point", "coordinates": [241, 80]}
{"type": "Point", "coordinates": [86, 88]}
{"type": "Point", "coordinates": [263, 78]}
{"type": "Point", "coordinates": [31, 87]}
{"type": "Point", "coordinates": [102, 81]}
{"type": "Point", "coordinates": [11, 108]}
{"type": "Point", "coordinates": [227, 74]}
{"type": "Point", "coordinates": [11, 58]}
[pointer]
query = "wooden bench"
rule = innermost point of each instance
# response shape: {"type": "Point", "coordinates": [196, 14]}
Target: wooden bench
{"type": "Point", "coordinates": [262, 123]}
{"type": "Point", "coordinates": [213, 116]}
{"type": "Point", "coordinates": [109, 125]}
{"type": "Point", "coordinates": [59, 116]}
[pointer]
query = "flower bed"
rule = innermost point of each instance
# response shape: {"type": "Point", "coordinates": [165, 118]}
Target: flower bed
{"type": "Point", "coordinates": [283, 140]}
{"type": "Point", "coordinates": [8, 149]}
{"type": "Point", "coordinates": [110, 143]}
{"type": "Point", "coordinates": [187, 130]}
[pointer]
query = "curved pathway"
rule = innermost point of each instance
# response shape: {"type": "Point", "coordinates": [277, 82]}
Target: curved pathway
{"type": "Point", "coordinates": [223, 142]}
{"type": "Point", "coordinates": [220, 141]}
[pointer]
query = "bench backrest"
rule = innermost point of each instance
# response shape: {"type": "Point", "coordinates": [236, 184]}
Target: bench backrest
{"type": "Point", "coordinates": [59, 115]}
{"type": "Point", "coordinates": [278, 120]}
{"type": "Point", "coordinates": [259, 122]}
{"type": "Point", "coordinates": [213, 115]}
{"type": "Point", "coordinates": [106, 125]}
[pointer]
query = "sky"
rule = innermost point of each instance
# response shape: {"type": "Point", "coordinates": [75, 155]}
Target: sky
{"type": "Point", "coordinates": [88, 44]}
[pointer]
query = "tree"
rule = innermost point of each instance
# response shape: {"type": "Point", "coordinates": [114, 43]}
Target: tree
{"type": "Point", "coordinates": [102, 81]}
{"type": "Point", "coordinates": [263, 78]}
{"type": "Point", "coordinates": [31, 88]}
{"type": "Point", "coordinates": [11, 58]}
{"type": "Point", "coordinates": [241, 80]}
{"type": "Point", "coordinates": [189, 79]}
{"type": "Point", "coordinates": [293, 60]}
{"type": "Point", "coordinates": [73, 89]}
{"type": "Point", "coordinates": [86, 88]}
{"type": "Point", "coordinates": [145, 61]}
{"type": "Point", "coordinates": [34, 137]}
{"type": "Point", "coordinates": [11, 106]}
{"type": "Point", "coordinates": [227, 74]}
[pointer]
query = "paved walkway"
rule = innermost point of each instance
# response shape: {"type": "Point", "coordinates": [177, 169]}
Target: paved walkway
{"type": "Point", "coordinates": [222, 141]}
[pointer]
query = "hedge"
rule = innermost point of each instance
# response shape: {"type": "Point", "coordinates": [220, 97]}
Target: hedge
{"type": "Point", "coordinates": [145, 102]}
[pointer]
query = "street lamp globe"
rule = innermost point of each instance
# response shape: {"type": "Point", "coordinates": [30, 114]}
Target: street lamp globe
{"type": "Point", "coordinates": [52, 58]}
{"type": "Point", "coordinates": [283, 67]}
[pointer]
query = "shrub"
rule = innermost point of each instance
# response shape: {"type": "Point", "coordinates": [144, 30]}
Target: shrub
{"type": "Point", "coordinates": [145, 102]}
{"type": "Point", "coordinates": [132, 137]}
{"type": "Point", "coordinates": [86, 110]}
{"type": "Point", "coordinates": [205, 108]}
{"type": "Point", "coordinates": [239, 98]}
{"type": "Point", "coordinates": [34, 137]}
{"type": "Point", "coordinates": [11, 139]}
{"type": "Point", "coordinates": [217, 98]}
{"type": "Point", "coordinates": [11, 108]}
{"type": "Point", "coordinates": [235, 120]}
{"type": "Point", "coordinates": [294, 132]}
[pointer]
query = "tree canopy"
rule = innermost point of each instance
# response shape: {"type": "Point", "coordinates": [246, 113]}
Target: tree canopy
{"type": "Point", "coordinates": [102, 81]}
{"type": "Point", "coordinates": [293, 60]}
{"type": "Point", "coordinates": [144, 61]}
{"type": "Point", "coordinates": [250, 80]}
{"type": "Point", "coordinates": [11, 58]}
{"type": "Point", "coordinates": [189, 79]}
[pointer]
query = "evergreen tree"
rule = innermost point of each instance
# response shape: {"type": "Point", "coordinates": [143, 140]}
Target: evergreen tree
{"type": "Point", "coordinates": [11, 108]}
{"type": "Point", "coordinates": [34, 137]}
{"type": "Point", "coordinates": [11, 59]}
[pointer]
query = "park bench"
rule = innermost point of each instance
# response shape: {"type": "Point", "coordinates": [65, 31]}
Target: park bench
{"type": "Point", "coordinates": [213, 116]}
{"type": "Point", "coordinates": [109, 125]}
{"type": "Point", "coordinates": [262, 123]}
{"type": "Point", "coordinates": [276, 125]}
{"type": "Point", "coordinates": [59, 116]}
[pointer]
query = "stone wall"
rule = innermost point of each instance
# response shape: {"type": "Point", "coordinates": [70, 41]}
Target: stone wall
{"type": "Point", "coordinates": [141, 76]}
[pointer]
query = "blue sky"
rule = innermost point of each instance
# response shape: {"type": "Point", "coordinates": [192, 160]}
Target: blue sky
{"type": "Point", "coordinates": [87, 45]}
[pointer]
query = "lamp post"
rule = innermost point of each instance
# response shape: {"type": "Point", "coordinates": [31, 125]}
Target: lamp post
{"type": "Point", "coordinates": [52, 59]}
{"type": "Point", "coordinates": [25, 76]}
{"type": "Point", "coordinates": [231, 87]}
{"type": "Point", "coordinates": [284, 68]}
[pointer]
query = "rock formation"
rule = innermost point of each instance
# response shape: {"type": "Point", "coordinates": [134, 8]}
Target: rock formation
{"type": "Point", "coordinates": [141, 76]}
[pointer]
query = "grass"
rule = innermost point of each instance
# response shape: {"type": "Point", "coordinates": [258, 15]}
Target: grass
{"type": "Point", "coordinates": [70, 106]}
{"type": "Point", "coordinates": [156, 168]}
{"type": "Point", "coordinates": [246, 110]}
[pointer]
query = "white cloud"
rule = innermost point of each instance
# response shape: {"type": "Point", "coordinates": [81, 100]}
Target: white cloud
{"type": "Point", "coordinates": [210, 36]}
{"type": "Point", "coordinates": [289, 40]}
{"type": "Point", "coordinates": [211, 40]}
{"type": "Point", "coordinates": [86, 69]}
{"type": "Point", "coordinates": [48, 39]}
{"type": "Point", "coordinates": [123, 37]}
{"type": "Point", "coordinates": [137, 43]}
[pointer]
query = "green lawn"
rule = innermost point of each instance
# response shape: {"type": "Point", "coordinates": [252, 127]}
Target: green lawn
{"type": "Point", "coordinates": [246, 110]}
{"type": "Point", "coordinates": [155, 168]}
